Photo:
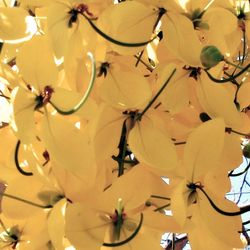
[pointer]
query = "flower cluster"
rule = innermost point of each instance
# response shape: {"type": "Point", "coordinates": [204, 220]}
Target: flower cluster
{"type": "Point", "coordinates": [101, 99]}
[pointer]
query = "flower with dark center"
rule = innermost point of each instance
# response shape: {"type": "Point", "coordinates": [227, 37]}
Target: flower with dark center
{"type": "Point", "coordinates": [80, 9]}
{"type": "Point", "coordinates": [44, 97]}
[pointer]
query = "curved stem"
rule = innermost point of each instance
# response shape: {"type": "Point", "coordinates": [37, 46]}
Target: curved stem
{"type": "Point", "coordinates": [112, 40]}
{"type": "Point", "coordinates": [231, 174]}
{"type": "Point", "coordinates": [217, 209]}
{"type": "Point", "coordinates": [87, 93]}
{"type": "Point", "coordinates": [230, 78]}
{"type": "Point", "coordinates": [246, 222]}
{"type": "Point", "coordinates": [237, 66]}
{"type": "Point", "coordinates": [131, 237]}
{"type": "Point", "coordinates": [25, 201]}
{"type": "Point", "coordinates": [20, 170]}
{"type": "Point", "coordinates": [139, 116]}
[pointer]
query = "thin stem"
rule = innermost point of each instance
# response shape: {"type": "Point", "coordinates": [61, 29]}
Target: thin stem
{"type": "Point", "coordinates": [230, 78]}
{"type": "Point", "coordinates": [237, 66]}
{"type": "Point", "coordinates": [160, 197]}
{"type": "Point", "coordinates": [132, 162]}
{"type": "Point", "coordinates": [3, 95]}
{"type": "Point", "coordinates": [4, 228]}
{"type": "Point", "coordinates": [231, 174]}
{"type": "Point", "coordinates": [122, 149]}
{"type": "Point", "coordinates": [246, 222]}
{"type": "Point", "coordinates": [173, 241]}
{"type": "Point", "coordinates": [145, 64]}
{"type": "Point", "coordinates": [244, 46]}
{"type": "Point", "coordinates": [162, 207]}
{"type": "Point", "coordinates": [112, 40]}
{"type": "Point", "coordinates": [233, 81]}
{"type": "Point", "coordinates": [139, 58]}
{"type": "Point", "coordinates": [87, 93]}
{"type": "Point", "coordinates": [230, 130]}
{"type": "Point", "coordinates": [20, 170]}
{"type": "Point", "coordinates": [131, 237]}
{"type": "Point", "coordinates": [25, 201]}
{"type": "Point", "coordinates": [139, 116]}
{"type": "Point", "coordinates": [217, 209]}
{"type": "Point", "coordinates": [180, 143]}
{"type": "Point", "coordinates": [3, 124]}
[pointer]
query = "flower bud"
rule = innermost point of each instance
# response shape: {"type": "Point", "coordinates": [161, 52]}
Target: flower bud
{"type": "Point", "coordinates": [210, 56]}
{"type": "Point", "coordinates": [246, 151]}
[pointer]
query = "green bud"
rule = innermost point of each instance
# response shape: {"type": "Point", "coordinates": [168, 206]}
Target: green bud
{"type": "Point", "coordinates": [246, 151]}
{"type": "Point", "coordinates": [210, 56]}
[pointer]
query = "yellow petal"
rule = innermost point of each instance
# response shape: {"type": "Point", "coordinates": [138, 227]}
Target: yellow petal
{"type": "Point", "coordinates": [179, 202]}
{"type": "Point", "coordinates": [109, 122]}
{"type": "Point", "coordinates": [232, 152]}
{"type": "Point", "coordinates": [150, 145]}
{"type": "Point", "coordinates": [18, 187]}
{"type": "Point", "coordinates": [208, 239]}
{"type": "Point", "coordinates": [217, 102]}
{"type": "Point", "coordinates": [203, 148]}
{"type": "Point", "coordinates": [58, 26]}
{"type": "Point", "coordinates": [181, 39]}
{"type": "Point", "coordinates": [56, 224]}
{"type": "Point", "coordinates": [130, 22]}
{"type": "Point", "coordinates": [84, 227]}
{"type": "Point", "coordinates": [36, 63]}
{"type": "Point", "coordinates": [243, 95]}
{"type": "Point", "coordinates": [175, 96]}
{"type": "Point", "coordinates": [69, 147]}
{"type": "Point", "coordinates": [23, 122]}
{"type": "Point", "coordinates": [125, 89]}
{"type": "Point", "coordinates": [220, 222]}
{"type": "Point", "coordinates": [8, 76]}
{"type": "Point", "coordinates": [14, 26]}
{"type": "Point", "coordinates": [227, 20]}
{"type": "Point", "coordinates": [124, 187]}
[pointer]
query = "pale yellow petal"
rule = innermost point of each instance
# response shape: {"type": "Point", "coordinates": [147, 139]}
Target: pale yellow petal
{"type": "Point", "coordinates": [181, 39]}
{"type": "Point", "coordinates": [243, 95]}
{"type": "Point", "coordinates": [13, 23]}
{"type": "Point", "coordinates": [69, 146]}
{"type": "Point", "coordinates": [217, 102]}
{"type": "Point", "coordinates": [36, 63]}
{"type": "Point", "coordinates": [56, 224]}
{"type": "Point", "coordinates": [150, 145]}
{"type": "Point", "coordinates": [203, 148]}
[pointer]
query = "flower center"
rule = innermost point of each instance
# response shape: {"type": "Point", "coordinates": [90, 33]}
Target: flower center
{"type": "Point", "coordinates": [44, 97]}
{"type": "Point", "coordinates": [79, 9]}
{"type": "Point", "coordinates": [194, 72]}
{"type": "Point", "coordinates": [118, 218]}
